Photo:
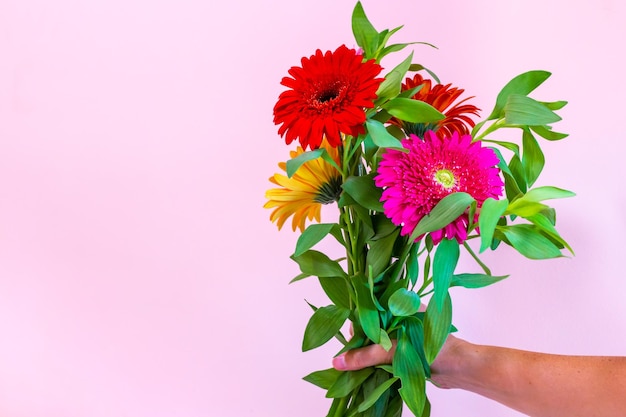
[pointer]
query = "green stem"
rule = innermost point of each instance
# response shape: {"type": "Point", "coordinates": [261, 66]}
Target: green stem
{"type": "Point", "coordinates": [402, 261]}
{"type": "Point", "coordinates": [495, 126]}
{"type": "Point", "coordinates": [471, 252]}
{"type": "Point", "coordinates": [425, 285]}
{"type": "Point", "coordinates": [341, 407]}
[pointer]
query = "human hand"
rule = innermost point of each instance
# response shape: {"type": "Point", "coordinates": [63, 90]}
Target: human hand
{"type": "Point", "coordinates": [445, 362]}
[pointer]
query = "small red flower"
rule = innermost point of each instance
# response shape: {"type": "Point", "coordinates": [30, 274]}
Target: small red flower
{"type": "Point", "coordinates": [327, 97]}
{"type": "Point", "coordinates": [442, 98]}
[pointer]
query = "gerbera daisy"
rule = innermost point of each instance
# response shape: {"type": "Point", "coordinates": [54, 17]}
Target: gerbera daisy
{"type": "Point", "coordinates": [442, 97]}
{"type": "Point", "coordinates": [326, 97]}
{"type": "Point", "coordinates": [416, 181]}
{"type": "Point", "coordinates": [315, 183]}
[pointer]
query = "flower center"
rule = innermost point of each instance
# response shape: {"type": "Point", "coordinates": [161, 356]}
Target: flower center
{"type": "Point", "coordinates": [327, 95]}
{"type": "Point", "coordinates": [329, 192]}
{"type": "Point", "coordinates": [445, 177]}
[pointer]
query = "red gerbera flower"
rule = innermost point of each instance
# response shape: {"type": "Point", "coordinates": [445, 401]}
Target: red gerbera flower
{"type": "Point", "coordinates": [442, 98]}
{"type": "Point", "coordinates": [327, 97]}
{"type": "Point", "coordinates": [435, 167]}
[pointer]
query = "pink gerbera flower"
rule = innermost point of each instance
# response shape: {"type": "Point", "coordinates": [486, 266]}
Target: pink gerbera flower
{"type": "Point", "coordinates": [416, 181]}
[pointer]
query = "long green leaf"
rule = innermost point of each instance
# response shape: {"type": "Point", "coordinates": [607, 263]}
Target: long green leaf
{"type": "Point", "coordinates": [533, 159]}
{"type": "Point", "coordinates": [522, 84]}
{"type": "Point", "coordinates": [437, 322]}
{"type": "Point", "coordinates": [415, 331]}
{"type": "Point", "coordinates": [324, 378]}
{"type": "Point", "coordinates": [412, 376]}
{"type": "Point", "coordinates": [522, 110]}
{"type": "Point", "coordinates": [444, 263]}
{"type": "Point", "coordinates": [317, 263]}
{"type": "Point", "coordinates": [314, 233]}
{"type": "Point", "coordinates": [414, 111]}
{"type": "Point", "coordinates": [392, 84]}
{"type": "Point", "coordinates": [490, 213]}
{"type": "Point", "coordinates": [364, 33]}
{"type": "Point", "coordinates": [446, 211]}
{"type": "Point", "coordinates": [380, 251]}
{"type": "Point", "coordinates": [371, 399]}
{"type": "Point", "coordinates": [529, 241]}
{"type": "Point", "coordinates": [295, 163]}
{"type": "Point", "coordinates": [547, 226]}
{"type": "Point", "coordinates": [363, 190]}
{"type": "Point", "coordinates": [323, 325]}
{"type": "Point", "coordinates": [380, 136]}
{"type": "Point", "coordinates": [367, 310]}
{"type": "Point", "coordinates": [347, 382]}
{"type": "Point", "coordinates": [475, 280]}
{"type": "Point", "coordinates": [547, 193]}
{"type": "Point", "coordinates": [547, 133]}
{"type": "Point", "coordinates": [337, 290]}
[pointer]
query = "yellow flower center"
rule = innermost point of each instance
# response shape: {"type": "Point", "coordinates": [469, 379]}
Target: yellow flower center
{"type": "Point", "coordinates": [445, 177]}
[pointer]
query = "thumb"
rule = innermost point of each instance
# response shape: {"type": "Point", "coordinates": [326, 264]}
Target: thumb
{"type": "Point", "coordinates": [363, 357]}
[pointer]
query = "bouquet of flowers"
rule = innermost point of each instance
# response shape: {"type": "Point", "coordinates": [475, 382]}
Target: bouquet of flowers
{"type": "Point", "coordinates": [416, 180]}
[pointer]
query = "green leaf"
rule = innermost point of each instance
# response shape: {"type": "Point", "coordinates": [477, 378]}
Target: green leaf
{"type": "Point", "coordinates": [314, 234]}
{"type": "Point", "coordinates": [502, 164]}
{"type": "Point", "coordinates": [447, 210]}
{"type": "Point", "coordinates": [475, 280]}
{"type": "Point", "coordinates": [392, 84]}
{"type": "Point", "coordinates": [299, 277]}
{"type": "Point", "coordinates": [533, 160]}
{"type": "Point", "coordinates": [414, 111]}
{"type": "Point", "coordinates": [545, 223]}
{"type": "Point", "coordinates": [524, 208]}
{"type": "Point", "coordinates": [517, 169]}
{"type": "Point", "coordinates": [412, 377]}
{"type": "Point", "coordinates": [522, 84]}
{"type": "Point", "coordinates": [385, 341]}
{"type": "Point", "coordinates": [380, 251]}
{"type": "Point", "coordinates": [364, 33]}
{"type": "Point", "coordinates": [347, 382]}
{"type": "Point", "coordinates": [522, 110]}
{"type": "Point", "coordinates": [380, 136]}
{"type": "Point", "coordinates": [547, 133]}
{"type": "Point", "coordinates": [404, 303]}
{"type": "Point", "coordinates": [394, 407]}
{"type": "Point", "coordinates": [490, 213]}
{"type": "Point", "coordinates": [412, 264]}
{"type": "Point", "coordinates": [415, 330]}
{"type": "Point", "coordinates": [437, 322]}
{"type": "Point", "coordinates": [316, 263]}
{"type": "Point", "coordinates": [363, 190]}
{"type": "Point", "coordinates": [371, 399]}
{"type": "Point", "coordinates": [554, 105]}
{"type": "Point", "coordinates": [337, 290]}
{"type": "Point", "coordinates": [323, 379]}
{"type": "Point", "coordinates": [546, 193]}
{"type": "Point", "coordinates": [444, 263]}
{"type": "Point", "coordinates": [295, 163]}
{"type": "Point", "coordinates": [511, 187]}
{"type": "Point", "coordinates": [367, 310]}
{"type": "Point", "coordinates": [529, 241]}
{"type": "Point", "coordinates": [325, 323]}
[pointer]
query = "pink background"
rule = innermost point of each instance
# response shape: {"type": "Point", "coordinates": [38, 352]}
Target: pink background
{"type": "Point", "coordinates": [139, 274]}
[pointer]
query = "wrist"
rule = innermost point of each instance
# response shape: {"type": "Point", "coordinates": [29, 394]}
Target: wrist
{"type": "Point", "coordinates": [447, 371]}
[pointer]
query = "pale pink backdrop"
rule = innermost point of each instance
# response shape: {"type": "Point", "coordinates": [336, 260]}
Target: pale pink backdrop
{"type": "Point", "coordinates": [139, 274]}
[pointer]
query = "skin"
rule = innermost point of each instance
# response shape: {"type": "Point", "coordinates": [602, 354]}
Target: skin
{"type": "Point", "coordinates": [536, 384]}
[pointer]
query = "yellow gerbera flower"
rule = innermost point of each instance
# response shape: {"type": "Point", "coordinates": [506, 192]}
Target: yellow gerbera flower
{"type": "Point", "coordinates": [315, 183]}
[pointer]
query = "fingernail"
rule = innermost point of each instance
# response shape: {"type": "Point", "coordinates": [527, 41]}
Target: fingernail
{"type": "Point", "coordinates": [339, 362]}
